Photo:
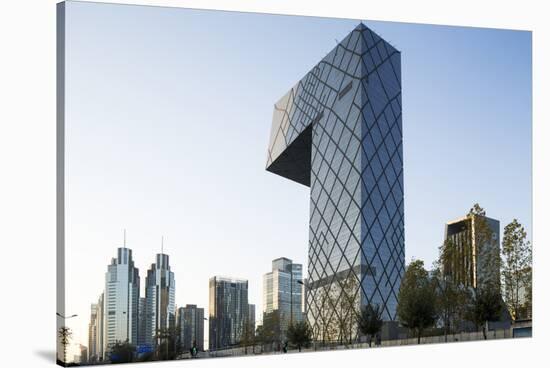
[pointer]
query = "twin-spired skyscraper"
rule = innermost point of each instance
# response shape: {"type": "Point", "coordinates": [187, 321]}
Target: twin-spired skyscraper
{"type": "Point", "coordinates": [339, 132]}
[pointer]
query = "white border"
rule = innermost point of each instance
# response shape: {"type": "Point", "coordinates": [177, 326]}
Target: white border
{"type": "Point", "coordinates": [27, 185]}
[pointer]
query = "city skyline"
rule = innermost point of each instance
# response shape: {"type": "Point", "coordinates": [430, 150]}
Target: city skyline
{"type": "Point", "coordinates": [137, 198]}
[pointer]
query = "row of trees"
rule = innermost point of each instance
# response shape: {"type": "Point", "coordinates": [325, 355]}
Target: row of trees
{"type": "Point", "coordinates": [455, 299]}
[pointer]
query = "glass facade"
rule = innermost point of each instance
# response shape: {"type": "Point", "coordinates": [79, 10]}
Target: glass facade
{"type": "Point", "coordinates": [160, 300]}
{"type": "Point", "coordinates": [121, 299]}
{"type": "Point", "coordinates": [468, 265]}
{"type": "Point", "coordinates": [282, 291]}
{"type": "Point", "coordinates": [228, 311]}
{"type": "Point", "coordinates": [339, 131]}
{"type": "Point", "coordinates": [191, 327]}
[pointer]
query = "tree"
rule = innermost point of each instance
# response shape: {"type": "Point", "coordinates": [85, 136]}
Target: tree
{"type": "Point", "coordinates": [451, 295]}
{"type": "Point", "coordinates": [269, 333]}
{"type": "Point", "coordinates": [248, 337]}
{"type": "Point", "coordinates": [417, 308]}
{"type": "Point", "coordinates": [168, 347]}
{"type": "Point", "coordinates": [516, 270]}
{"type": "Point", "coordinates": [299, 334]}
{"type": "Point", "coordinates": [485, 300]}
{"type": "Point", "coordinates": [370, 321]}
{"type": "Point", "coordinates": [484, 306]}
{"type": "Point", "coordinates": [122, 352]}
{"type": "Point", "coordinates": [65, 334]}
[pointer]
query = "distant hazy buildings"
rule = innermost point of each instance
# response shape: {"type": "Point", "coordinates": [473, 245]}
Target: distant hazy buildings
{"type": "Point", "coordinates": [190, 321]}
{"type": "Point", "coordinates": [121, 300]}
{"type": "Point", "coordinates": [93, 333]}
{"type": "Point", "coordinates": [470, 264]}
{"type": "Point", "coordinates": [228, 311]}
{"type": "Point", "coordinates": [283, 291]}
{"type": "Point", "coordinates": [142, 321]}
{"type": "Point", "coordinates": [160, 299]}
{"type": "Point", "coordinates": [252, 317]}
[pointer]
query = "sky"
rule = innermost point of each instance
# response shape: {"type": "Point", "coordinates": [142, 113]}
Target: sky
{"type": "Point", "coordinates": [168, 115]}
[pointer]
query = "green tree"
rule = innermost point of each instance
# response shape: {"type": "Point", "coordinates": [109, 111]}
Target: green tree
{"type": "Point", "coordinates": [451, 295]}
{"type": "Point", "coordinates": [299, 334]}
{"type": "Point", "coordinates": [370, 321]}
{"type": "Point", "coordinates": [269, 333]}
{"type": "Point", "coordinates": [122, 352]}
{"type": "Point", "coordinates": [484, 306]}
{"type": "Point", "coordinates": [168, 347]}
{"type": "Point", "coordinates": [248, 337]}
{"type": "Point", "coordinates": [65, 334]}
{"type": "Point", "coordinates": [516, 270]}
{"type": "Point", "coordinates": [417, 306]}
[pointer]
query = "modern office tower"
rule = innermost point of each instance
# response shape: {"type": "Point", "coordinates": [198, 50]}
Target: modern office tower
{"type": "Point", "coordinates": [252, 317]}
{"type": "Point", "coordinates": [160, 295]}
{"type": "Point", "coordinates": [339, 132]}
{"type": "Point", "coordinates": [228, 311]}
{"type": "Point", "coordinates": [142, 321]}
{"type": "Point", "coordinates": [121, 301]}
{"type": "Point", "coordinates": [471, 263]}
{"type": "Point", "coordinates": [92, 333]}
{"type": "Point", "coordinates": [283, 292]}
{"type": "Point", "coordinates": [190, 321]}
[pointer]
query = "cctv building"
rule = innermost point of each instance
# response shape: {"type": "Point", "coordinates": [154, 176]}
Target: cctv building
{"type": "Point", "coordinates": [339, 132]}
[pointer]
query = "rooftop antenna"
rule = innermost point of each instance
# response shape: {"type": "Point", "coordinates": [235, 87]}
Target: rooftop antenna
{"type": "Point", "coordinates": [124, 238]}
{"type": "Point", "coordinates": [162, 244]}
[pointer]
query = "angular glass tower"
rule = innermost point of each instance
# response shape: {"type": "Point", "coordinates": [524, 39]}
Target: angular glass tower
{"type": "Point", "coordinates": [339, 131]}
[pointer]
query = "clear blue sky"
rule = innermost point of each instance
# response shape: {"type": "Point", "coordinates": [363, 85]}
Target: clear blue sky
{"type": "Point", "coordinates": [168, 119]}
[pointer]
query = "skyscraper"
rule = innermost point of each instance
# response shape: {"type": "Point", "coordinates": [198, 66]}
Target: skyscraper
{"type": "Point", "coordinates": [283, 291]}
{"type": "Point", "coordinates": [121, 300]}
{"type": "Point", "coordinates": [473, 257]}
{"type": "Point", "coordinates": [228, 311]}
{"type": "Point", "coordinates": [339, 132]}
{"type": "Point", "coordinates": [160, 299]}
{"type": "Point", "coordinates": [190, 321]}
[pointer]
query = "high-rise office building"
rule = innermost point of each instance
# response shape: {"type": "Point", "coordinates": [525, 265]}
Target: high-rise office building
{"type": "Point", "coordinates": [282, 292]}
{"type": "Point", "coordinates": [121, 301]}
{"type": "Point", "coordinates": [471, 263]}
{"type": "Point", "coordinates": [339, 132]}
{"type": "Point", "coordinates": [160, 300]}
{"type": "Point", "coordinates": [190, 321]}
{"type": "Point", "coordinates": [228, 311]}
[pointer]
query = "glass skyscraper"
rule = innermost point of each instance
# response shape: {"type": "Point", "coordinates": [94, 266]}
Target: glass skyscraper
{"type": "Point", "coordinates": [339, 132]}
{"type": "Point", "coordinates": [228, 311]}
{"type": "Point", "coordinates": [121, 299]}
{"type": "Point", "coordinates": [160, 300]}
{"type": "Point", "coordinates": [282, 291]}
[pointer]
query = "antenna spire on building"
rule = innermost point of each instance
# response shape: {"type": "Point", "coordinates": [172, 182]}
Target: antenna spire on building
{"type": "Point", "coordinates": [124, 238]}
{"type": "Point", "coordinates": [162, 244]}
